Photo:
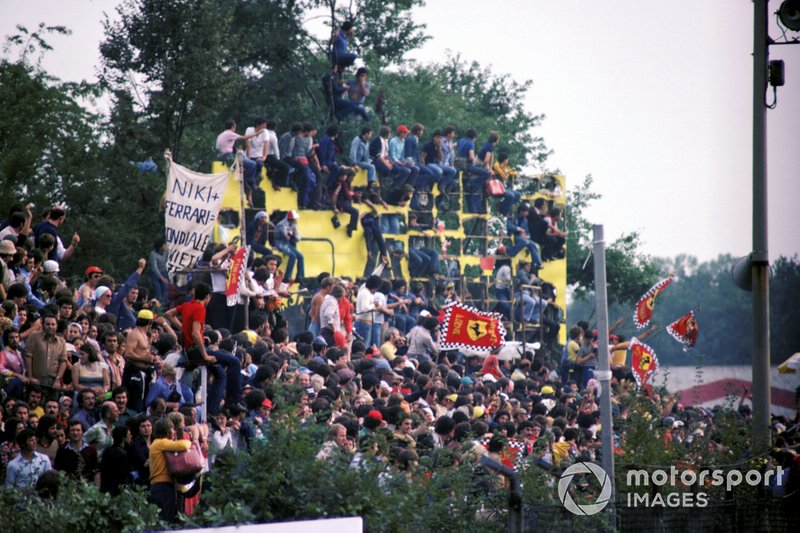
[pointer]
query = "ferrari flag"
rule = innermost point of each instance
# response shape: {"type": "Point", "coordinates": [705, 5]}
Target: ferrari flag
{"type": "Point", "coordinates": [464, 326]}
{"type": "Point", "coordinates": [236, 274]}
{"type": "Point", "coordinates": [685, 330]}
{"type": "Point", "coordinates": [644, 307]}
{"type": "Point", "coordinates": [644, 362]}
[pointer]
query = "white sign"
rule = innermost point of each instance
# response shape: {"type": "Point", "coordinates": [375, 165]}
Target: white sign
{"type": "Point", "coordinates": [192, 205]}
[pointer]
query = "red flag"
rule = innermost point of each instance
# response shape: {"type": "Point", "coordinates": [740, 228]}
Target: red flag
{"type": "Point", "coordinates": [644, 307]}
{"type": "Point", "coordinates": [685, 330]}
{"type": "Point", "coordinates": [236, 275]}
{"type": "Point", "coordinates": [644, 362]}
{"type": "Point", "coordinates": [464, 326]}
{"type": "Point", "coordinates": [487, 263]}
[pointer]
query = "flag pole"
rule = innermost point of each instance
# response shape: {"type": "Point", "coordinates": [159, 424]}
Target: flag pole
{"type": "Point", "coordinates": [242, 224]}
{"type": "Point", "coordinates": [603, 373]}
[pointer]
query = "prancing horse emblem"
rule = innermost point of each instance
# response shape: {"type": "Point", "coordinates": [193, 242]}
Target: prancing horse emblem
{"type": "Point", "coordinates": [476, 329]}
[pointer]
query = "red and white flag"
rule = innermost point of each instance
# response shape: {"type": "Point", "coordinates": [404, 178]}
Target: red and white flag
{"type": "Point", "coordinates": [236, 274]}
{"type": "Point", "coordinates": [644, 307]}
{"type": "Point", "coordinates": [685, 330]}
{"type": "Point", "coordinates": [644, 362]}
{"type": "Point", "coordinates": [463, 326]}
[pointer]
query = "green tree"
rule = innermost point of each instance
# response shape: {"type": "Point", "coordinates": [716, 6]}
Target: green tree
{"type": "Point", "coordinates": [46, 133]}
{"type": "Point", "coordinates": [178, 59]}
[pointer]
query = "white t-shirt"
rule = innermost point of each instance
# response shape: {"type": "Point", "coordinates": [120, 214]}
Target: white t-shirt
{"type": "Point", "coordinates": [379, 300]}
{"type": "Point", "coordinates": [256, 149]}
{"type": "Point", "coordinates": [364, 304]}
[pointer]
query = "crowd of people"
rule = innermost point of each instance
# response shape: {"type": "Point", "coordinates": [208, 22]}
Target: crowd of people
{"type": "Point", "coordinates": [102, 381]}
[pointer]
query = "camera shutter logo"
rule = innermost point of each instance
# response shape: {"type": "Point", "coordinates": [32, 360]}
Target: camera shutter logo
{"type": "Point", "coordinates": [588, 509]}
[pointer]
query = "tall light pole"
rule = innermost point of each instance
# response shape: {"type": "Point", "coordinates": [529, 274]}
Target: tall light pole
{"type": "Point", "coordinates": [759, 258]}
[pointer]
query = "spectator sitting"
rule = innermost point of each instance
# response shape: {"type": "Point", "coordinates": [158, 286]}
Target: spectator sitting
{"type": "Point", "coordinates": [225, 144]}
{"type": "Point", "coordinates": [340, 54]}
{"type": "Point", "coordinates": [397, 154]}
{"type": "Point", "coordinates": [359, 87]}
{"type": "Point", "coordinates": [518, 227]}
{"type": "Point", "coordinates": [286, 149]}
{"type": "Point", "coordinates": [474, 188]}
{"type": "Point", "coordinates": [432, 157]}
{"type": "Point", "coordinates": [359, 154]}
{"type": "Point", "coordinates": [287, 235]}
{"type": "Point", "coordinates": [256, 149]}
{"type": "Point", "coordinates": [532, 305]}
{"type": "Point", "coordinates": [302, 154]}
{"type": "Point", "coordinates": [326, 153]}
{"type": "Point", "coordinates": [258, 233]}
{"type": "Point", "coordinates": [334, 88]}
{"type": "Point", "coordinates": [507, 174]}
{"type": "Point", "coordinates": [277, 170]}
{"type": "Point", "coordinates": [379, 152]}
{"type": "Point", "coordinates": [412, 156]}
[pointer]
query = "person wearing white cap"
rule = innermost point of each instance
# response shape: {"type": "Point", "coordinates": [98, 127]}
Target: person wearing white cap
{"type": "Point", "coordinates": [287, 235]}
{"type": "Point", "coordinates": [7, 251]}
{"type": "Point", "coordinates": [258, 233]}
{"type": "Point", "coordinates": [102, 297]}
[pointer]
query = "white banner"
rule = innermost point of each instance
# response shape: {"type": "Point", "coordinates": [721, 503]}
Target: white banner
{"type": "Point", "coordinates": [192, 205]}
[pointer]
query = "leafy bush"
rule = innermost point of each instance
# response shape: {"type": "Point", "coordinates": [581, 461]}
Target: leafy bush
{"type": "Point", "coordinates": [78, 507]}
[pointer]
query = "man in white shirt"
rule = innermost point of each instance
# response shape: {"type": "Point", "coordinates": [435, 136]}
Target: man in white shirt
{"type": "Point", "coordinates": [329, 311]}
{"type": "Point", "coordinates": [365, 308]}
{"type": "Point", "coordinates": [277, 170]}
{"type": "Point", "coordinates": [257, 147]}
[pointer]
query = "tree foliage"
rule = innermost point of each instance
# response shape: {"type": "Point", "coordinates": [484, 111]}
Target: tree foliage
{"type": "Point", "coordinates": [174, 71]}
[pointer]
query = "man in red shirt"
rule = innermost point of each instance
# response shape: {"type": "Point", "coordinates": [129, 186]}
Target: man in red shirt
{"type": "Point", "coordinates": [193, 323]}
{"type": "Point", "coordinates": [225, 367]}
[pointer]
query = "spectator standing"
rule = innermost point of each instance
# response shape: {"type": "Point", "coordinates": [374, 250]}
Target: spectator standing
{"type": "Point", "coordinates": [277, 170]}
{"type": "Point", "coordinates": [159, 276]}
{"type": "Point", "coordinates": [162, 486]}
{"type": "Point", "coordinates": [474, 187]}
{"type": "Point", "coordinates": [24, 470]}
{"type": "Point", "coordinates": [45, 355]}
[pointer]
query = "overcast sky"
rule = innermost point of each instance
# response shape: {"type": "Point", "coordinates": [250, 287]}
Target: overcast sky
{"type": "Point", "coordinates": [652, 98]}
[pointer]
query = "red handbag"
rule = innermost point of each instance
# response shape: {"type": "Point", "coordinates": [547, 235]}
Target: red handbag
{"type": "Point", "coordinates": [495, 187]}
{"type": "Point", "coordinates": [185, 464]}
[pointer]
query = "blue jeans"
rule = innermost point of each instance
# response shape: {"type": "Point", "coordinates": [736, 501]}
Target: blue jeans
{"type": "Point", "coordinates": [503, 305]}
{"type": "Point", "coordinates": [363, 330]}
{"type": "Point", "coordinates": [474, 188]}
{"type": "Point", "coordinates": [523, 242]}
{"type": "Point", "coordinates": [446, 176]}
{"type": "Point", "coordinates": [426, 177]}
{"type": "Point", "coordinates": [249, 167]}
{"type": "Point", "coordinates": [376, 334]}
{"type": "Point", "coordinates": [370, 168]}
{"type": "Point", "coordinates": [313, 327]}
{"type": "Point", "coordinates": [307, 185]}
{"type": "Point", "coordinates": [404, 322]}
{"type": "Point", "coordinates": [294, 255]}
{"type": "Point", "coordinates": [509, 199]}
{"type": "Point", "coordinates": [390, 223]}
{"type": "Point", "coordinates": [227, 381]}
{"type": "Point", "coordinates": [159, 288]}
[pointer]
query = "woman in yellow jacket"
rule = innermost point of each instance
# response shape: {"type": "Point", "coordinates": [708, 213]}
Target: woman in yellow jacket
{"type": "Point", "coordinates": [162, 486]}
{"type": "Point", "coordinates": [504, 172]}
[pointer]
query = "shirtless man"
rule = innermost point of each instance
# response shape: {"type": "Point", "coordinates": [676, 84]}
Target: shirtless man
{"type": "Point", "coordinates": [140, 362]}
{"type": "Point", "coordinates": [316, 304]}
